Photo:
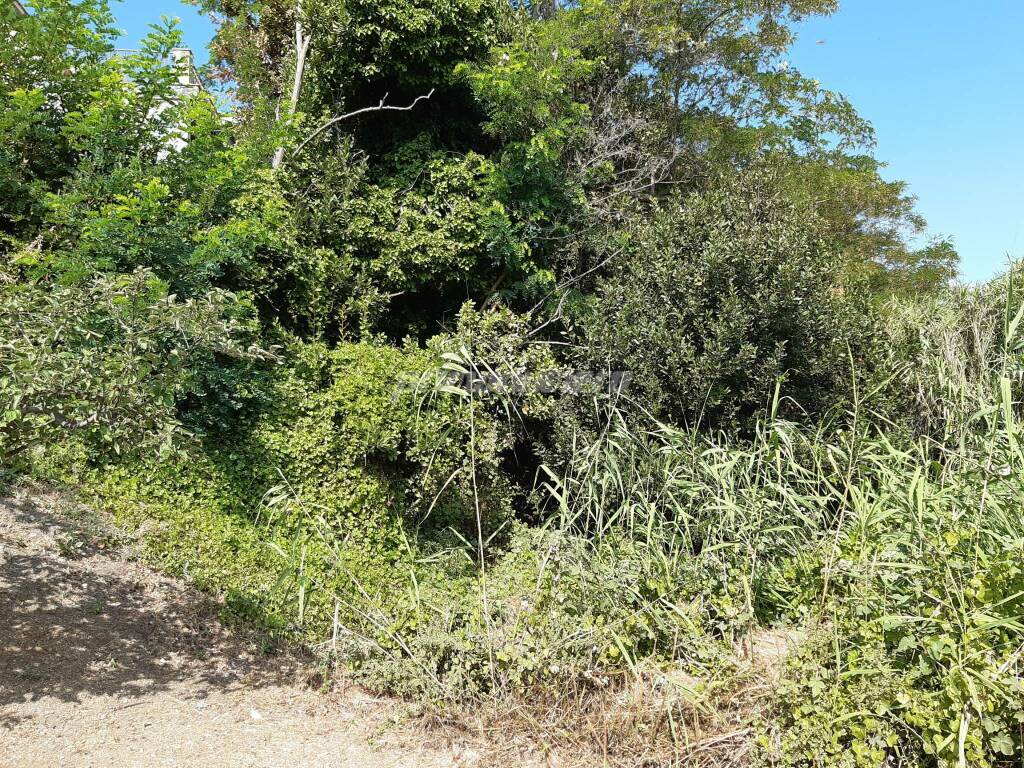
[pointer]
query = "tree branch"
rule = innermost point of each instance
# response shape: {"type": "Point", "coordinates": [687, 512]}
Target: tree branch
{"type": "Point", "coordinates": [379, 108]}
{"type": "Point", "coordinates": [59, 418]}
{"type": "Point", "coordinates": [301, 49]}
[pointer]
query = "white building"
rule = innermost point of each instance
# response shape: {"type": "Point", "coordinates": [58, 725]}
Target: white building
{"type": "Point", "coordinates": [188, 81]}
{"type": "Point", "coordinates": [189, 84]}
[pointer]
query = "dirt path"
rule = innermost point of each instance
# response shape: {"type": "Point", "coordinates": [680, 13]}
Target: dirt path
{"type": "Point", "coordinates": [105, 663]}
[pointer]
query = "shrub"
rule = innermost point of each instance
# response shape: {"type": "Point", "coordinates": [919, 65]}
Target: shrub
{"type": "Point", "coordinates": [108, 358]}
{"type": "Point", "coordinates": [550, 610]}
{"type": "Point", "coordinates": [719, 296]}
{"type": "Point", "coordinates": [359, 455]}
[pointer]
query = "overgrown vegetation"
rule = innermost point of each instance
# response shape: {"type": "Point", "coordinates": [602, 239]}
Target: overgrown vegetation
{"type": "Point", "coordinates": [561, 353]}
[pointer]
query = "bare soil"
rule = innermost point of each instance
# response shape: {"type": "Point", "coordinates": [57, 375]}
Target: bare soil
{"type": "Point", "coordinates": [104, 662]}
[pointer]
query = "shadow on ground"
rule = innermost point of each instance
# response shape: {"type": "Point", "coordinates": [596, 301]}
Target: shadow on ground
{"type": "Point", "coordinates": [77, 618]}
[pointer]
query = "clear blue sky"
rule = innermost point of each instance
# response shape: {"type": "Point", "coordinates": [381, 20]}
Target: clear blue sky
{"type": "Point", "coordinates": [942, 81]}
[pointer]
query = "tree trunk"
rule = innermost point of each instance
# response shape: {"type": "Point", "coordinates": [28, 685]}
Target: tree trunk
{"type": "Point", "coordinates": [301, 48]}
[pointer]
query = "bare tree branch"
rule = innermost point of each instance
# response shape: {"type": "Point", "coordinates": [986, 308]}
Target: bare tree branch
{"type": "Point", "coordinates": [378, 108]}
{"type": "Point", "coordinates": [301, 49]}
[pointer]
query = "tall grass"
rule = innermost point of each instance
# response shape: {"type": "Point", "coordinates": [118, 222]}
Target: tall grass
{"type": "Point", "coordinates": [893, 547]}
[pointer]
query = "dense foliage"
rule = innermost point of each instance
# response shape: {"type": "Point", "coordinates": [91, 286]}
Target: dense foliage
{"type": "Point", "coordinates": [522, 348]}
{"type": "Point", "coordinates": [736, 289]}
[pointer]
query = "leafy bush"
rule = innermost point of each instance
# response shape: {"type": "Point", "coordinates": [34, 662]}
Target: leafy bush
{"type": "Point", "coordinates": [109, 358]}
{"type": "Point", "coordinates": [734, 290]}
{"type": "Point", "coordinates": [51, 64]}
{"type": "Point", "coordinates": [551, 609]}
{"type": "Point", "coordinates": [357, 453]}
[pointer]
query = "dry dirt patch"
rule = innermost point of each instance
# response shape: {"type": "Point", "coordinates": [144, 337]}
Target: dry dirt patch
{"type": "Point", "coordinates": [105, 663]}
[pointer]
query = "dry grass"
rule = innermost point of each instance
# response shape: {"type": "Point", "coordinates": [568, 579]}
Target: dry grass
{"type": "Point", "coordinates": [656, 718]}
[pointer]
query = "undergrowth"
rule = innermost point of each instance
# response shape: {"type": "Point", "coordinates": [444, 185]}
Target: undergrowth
{"type": "Point", "coordinates": [663, 559]}
{"type": "Point", "coordinates": [681, 481]}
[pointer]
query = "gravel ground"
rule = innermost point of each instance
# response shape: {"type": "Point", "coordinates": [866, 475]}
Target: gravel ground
{"type": "Point", "coordinates": [105, 663]}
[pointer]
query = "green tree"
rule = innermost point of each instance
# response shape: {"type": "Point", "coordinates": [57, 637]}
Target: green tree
{"type": "Point", "coordinates": [872, 222]}
{"type": "Point", "coordinates": [603, 106]}
{"type": "Point", "coordinates": [51, 62]}
{"type": "Point", "coordinates": [109, 320]}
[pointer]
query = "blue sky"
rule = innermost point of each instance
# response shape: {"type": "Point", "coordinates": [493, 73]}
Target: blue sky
{"type": "Point", "coordinates": [942, 81]}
